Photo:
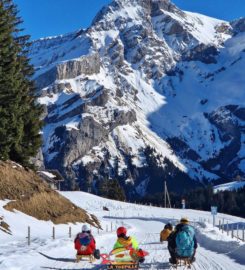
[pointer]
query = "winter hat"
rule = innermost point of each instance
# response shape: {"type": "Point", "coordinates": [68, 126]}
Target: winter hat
{"type": "Point", "coordinates": [85, 228]}
{"type": "Point", "coordinates": [121, 231]}
{"type": "Point", "coordinates": [168, 226]}
{"type": "Point", "coordinates": [184, 220]}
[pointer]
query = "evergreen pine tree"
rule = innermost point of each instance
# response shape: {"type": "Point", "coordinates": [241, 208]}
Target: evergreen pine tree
{"type": "Point", "coordinates": [111, 189]}
{"type": "Point", "coordinates": [19, 113]}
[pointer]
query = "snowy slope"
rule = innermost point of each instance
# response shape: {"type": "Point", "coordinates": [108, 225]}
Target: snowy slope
{"type": "Point", "coordinates": [216, 251]}
{"type": "Point", "coordinates": [145, 73]}
{"type": "Point", "coordinates": [229, 186]}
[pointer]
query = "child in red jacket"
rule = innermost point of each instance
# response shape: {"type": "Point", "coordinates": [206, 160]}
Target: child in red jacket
{"type": "Point", "coordinates": [85, 243]}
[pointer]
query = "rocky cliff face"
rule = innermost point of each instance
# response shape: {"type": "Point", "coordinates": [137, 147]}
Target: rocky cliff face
{"type": "Point", "coordinates": [86, 65]}
{"type": "Point", "coordinates": [146, 75]}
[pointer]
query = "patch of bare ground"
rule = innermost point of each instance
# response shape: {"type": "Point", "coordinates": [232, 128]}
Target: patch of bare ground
{"type": "Point", "coordinates": [32, 196]}
{"type": "Point", "coordinates": [4, 226]}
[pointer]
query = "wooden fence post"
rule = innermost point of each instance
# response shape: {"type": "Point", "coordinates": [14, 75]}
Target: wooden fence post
{"type": "Point", "coordinates": [243, 234]}
{"type": "Point", "coordinates": [237, 231]}
{"type": "Point", "coordinates": [70, 231]}
{"type": "Point", "coordinates": [227, 228]}
{"type": "Point", "coordinates": [53, 235]}
{"type": "Point", "coordinates": [232, 232]}
{"type": "Point", "coordinates": [219, 224]}
{"type": "Point", "coordinates": [29, 235]}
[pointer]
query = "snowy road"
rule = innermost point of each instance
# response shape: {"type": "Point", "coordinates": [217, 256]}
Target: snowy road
{"type": "Point", "coordinates": [216, 251]}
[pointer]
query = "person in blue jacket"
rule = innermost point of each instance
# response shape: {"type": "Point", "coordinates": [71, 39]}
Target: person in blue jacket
{"type": "Point", "coordinates": [174, 242]}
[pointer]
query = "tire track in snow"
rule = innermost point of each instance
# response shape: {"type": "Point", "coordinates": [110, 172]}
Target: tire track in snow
{"type": "Point", "coordinates": [158, 258]}
{"type": "Point", "coordinates": [207, 259]}
{"type": "Point", "coordinates": [60, 252]}
{"type": "Point", "coordinates": [159, 255]}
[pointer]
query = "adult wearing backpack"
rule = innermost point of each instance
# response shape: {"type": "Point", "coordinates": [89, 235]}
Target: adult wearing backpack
{"type": "Point", "coordinates": [85, 243]}
{"type": "Point", "coordinates": [182, 242]}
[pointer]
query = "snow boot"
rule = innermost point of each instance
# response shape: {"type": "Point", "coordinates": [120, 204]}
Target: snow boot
{"type": "Point", "coordinates": [97, 254]}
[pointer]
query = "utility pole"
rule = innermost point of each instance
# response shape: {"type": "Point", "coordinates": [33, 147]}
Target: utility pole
{"type": "Point", "coordinates": [165, 194]}
{"type": "Point", "coordinates": [169, 203]}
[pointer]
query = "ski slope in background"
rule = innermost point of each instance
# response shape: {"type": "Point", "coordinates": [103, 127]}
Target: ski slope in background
{"type": "Point", "coordinates": [216, 250]}
{"type": "Point", "coordinates": [229, 186]}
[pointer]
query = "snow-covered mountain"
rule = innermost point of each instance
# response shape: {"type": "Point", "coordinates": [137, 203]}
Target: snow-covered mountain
{"type": "Point", "coordinates": [229, 186]}
{"type": "Point", "coordinates": [148, 92]}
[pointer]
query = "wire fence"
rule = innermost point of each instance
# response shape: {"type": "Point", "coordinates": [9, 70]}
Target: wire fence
{"type": "Point", "coordinates": [71, 232]}
{"type": "Point", "coordinates": [234, 230]}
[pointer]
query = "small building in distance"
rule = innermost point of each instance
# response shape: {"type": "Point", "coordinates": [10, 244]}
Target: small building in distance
{"type": "Point", "coordinates": [52, 177]}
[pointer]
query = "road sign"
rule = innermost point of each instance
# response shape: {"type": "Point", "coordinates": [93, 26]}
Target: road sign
{"type": "Point", "coordinates": [214, 210]}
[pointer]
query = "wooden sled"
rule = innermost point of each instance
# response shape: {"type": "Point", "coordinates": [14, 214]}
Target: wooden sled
{"type": "Point", "coordinates": [123, 265]}
{"type": "Point", "coordinates": [89, 258]}
{"type": "Point", "coordinates": [183, 261]}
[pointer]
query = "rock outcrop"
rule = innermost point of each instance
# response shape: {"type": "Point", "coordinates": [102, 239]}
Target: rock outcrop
{"type": "Point", "coordinates": [85, 65]}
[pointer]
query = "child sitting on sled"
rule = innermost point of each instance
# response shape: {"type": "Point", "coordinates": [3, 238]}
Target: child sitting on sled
{"type": "Point", "coordinates": [85, 243]}
{"type": "Point", "coordinates": [129, 242]}
{"type": "Point", "coordinates": [168, 228]}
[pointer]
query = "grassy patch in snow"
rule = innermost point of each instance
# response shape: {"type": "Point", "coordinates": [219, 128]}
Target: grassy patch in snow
{"type": "Point", "coordinates": [31, 195]}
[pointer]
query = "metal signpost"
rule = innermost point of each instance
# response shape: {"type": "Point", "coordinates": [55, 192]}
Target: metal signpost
{"type": "Point", "coordinates": [214, 210]}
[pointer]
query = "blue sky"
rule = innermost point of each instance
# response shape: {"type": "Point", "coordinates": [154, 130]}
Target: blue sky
{"type": "Point", "coordinates": [53, 17]}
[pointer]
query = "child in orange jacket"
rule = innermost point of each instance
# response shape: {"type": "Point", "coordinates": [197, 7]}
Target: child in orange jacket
{"type": "Point", "coordinates": [168, 228]}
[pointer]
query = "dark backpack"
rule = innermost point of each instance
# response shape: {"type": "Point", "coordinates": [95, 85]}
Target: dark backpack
{"type": "Point", "coordinates": [185, 241]}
